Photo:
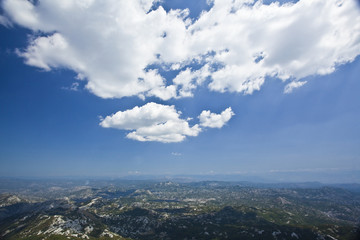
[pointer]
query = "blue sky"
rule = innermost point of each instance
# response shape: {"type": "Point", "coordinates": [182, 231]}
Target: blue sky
{"type": "Point", "coordinates": [293, 116]}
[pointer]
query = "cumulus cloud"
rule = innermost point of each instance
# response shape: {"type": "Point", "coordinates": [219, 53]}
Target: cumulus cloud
{"type": "Point", "coordinates": [162, 123]}
{"type": "Point", "coordinates": [110, 44]}
{"type": "Point", "coordinates": [152, 122]}
{"type": "Point", "coordinates": [213, 120]}
{"type": "Point", "coordinates": [122, 48]}
{"type": "Point", "coordinates": [252, 40]}
{"type": "Point", "coordinates": [115, 44]}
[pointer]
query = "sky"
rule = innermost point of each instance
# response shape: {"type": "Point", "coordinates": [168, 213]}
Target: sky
{"type": "Point", "coordinates": [259, 90]}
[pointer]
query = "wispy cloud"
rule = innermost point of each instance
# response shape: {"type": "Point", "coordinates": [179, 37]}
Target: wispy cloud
{"type": "Point", "coordinates": [292, 85]}
{"type": "Point", "coordinates": [5, 21]}
{"type": "Point", "coordinates": [300, 170]}
{"type": "Point", "coordinates": [74, 87]}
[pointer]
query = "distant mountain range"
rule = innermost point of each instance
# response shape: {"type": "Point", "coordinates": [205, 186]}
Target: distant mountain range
{"type": "Point", "coordinates": [176, 209]}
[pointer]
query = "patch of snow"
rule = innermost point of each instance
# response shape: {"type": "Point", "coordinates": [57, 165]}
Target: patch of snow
{"type": "Point", "coordinates": [294, 235]}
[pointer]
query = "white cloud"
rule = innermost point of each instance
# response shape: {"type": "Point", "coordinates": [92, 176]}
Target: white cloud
{"type": "Point", "coordinates": [5, 21]}
{"type": "Point", "coordinates": [119, 48]}
{"type": "Point", "coordinates": [23, 12]}
{"type": "Point", "coordinates": [134, 172]}
{"type": "Point", "coordinates": [74, 87]}
{"type": "Point", "coordinates": [188, 80]}
{"type": "Point", "coordinates": [109, 43]}
{"type": "Point", "coordinates": [112, 43]}
{"type": "Point", "coordinates": [162, 123]}
{"type": "Point", "coordinates": [289, 41]}
{"type": "Point", "coordinates": [213, 120]}
{"type": "Point", "coordinates": [292, 85]}
{"type": "Point", "coordinates": [152, 122]}
{"type": "Point", "coordinates": [176, 154]}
